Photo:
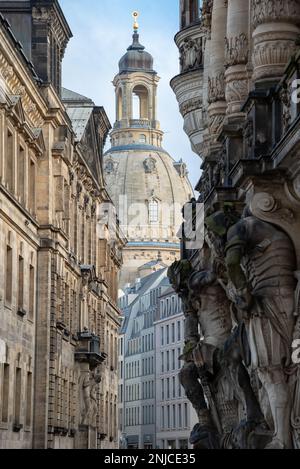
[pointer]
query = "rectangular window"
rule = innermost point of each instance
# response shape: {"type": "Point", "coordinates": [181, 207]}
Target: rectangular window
{"type": "Point", "coordinates": [168, 361]}
{"type": "Point", "coordinates": [168, 417]}
{"type": "Point", "coordinates": [5, 393]}
{"type": "Point", "coordinates": [162, 362]}
{"type": "Point", "coordinates": [31, 291]}
{"type": "Point", "coordinates": [168, 388]}
{"type": "Point", "coordinates": [162, 417]}
{"type": "Point", "coordinates": [178, 331]}
{"type": "Point", "coordinates": [173, 360]}
{"type": "Point", "coordinates": [8, 279]}
{"type": "Point", "coordinates": [173, 332]}
{"type": "Point", "coordinates": [174, 387]}
{"type": "Point", "coordinates": [28, 399]}
{"type": "Point", "coordinates": [179, 416]}
{"type": "Point", "coordinates": [21, 174]}
{"type": "Point", "coordinates": [185, 416]}
{"type": "Point", "coordinates": [174, 416]}
{"type": "Point", "coordinates": [10, 161]}
{"type": "Point", "coordinates": [162, 389]}
{"type": "Point", "coordinates": [178, 358]}
{"type": "Point", "coordinates": [17, 400]}
{"type": "Point", "coordinates": [21, 284]}
{"type": "Point", "coordinates": [31, 187]}
{"type": "Point", "coordinates": [167, 335]}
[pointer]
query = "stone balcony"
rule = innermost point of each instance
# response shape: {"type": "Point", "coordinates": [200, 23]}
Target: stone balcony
{"type": "Point", "coordinates": [88, 349]}
{"type": "Point", "coordinates": [188, 85]}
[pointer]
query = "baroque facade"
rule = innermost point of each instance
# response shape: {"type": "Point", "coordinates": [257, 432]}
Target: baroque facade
{"type": "Point", "coordinates": [60, 262]}
{"type": "Point", "coordinates": [241, 289]}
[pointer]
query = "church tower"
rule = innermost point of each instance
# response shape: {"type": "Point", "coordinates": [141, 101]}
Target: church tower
{"type": "Point", "coordinates": [147, 186]}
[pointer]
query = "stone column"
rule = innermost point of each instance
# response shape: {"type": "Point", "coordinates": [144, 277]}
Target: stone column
{"type": "Point", "coordinates": [216, 80]}
{"type": "Point", "coordinates": [236, 56]}
{"type": "Point", "coordinates": [276, 28]}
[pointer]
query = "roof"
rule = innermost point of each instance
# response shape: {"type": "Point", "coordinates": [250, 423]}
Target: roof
{"type": "Point", "coordinates": [72, 97]}
{"type": "Point", "coordinates": [136, 58]}
{"type": "Point", "coordinates": [79, 110]}
{"type": "Point", "coordinates": [146, 283]}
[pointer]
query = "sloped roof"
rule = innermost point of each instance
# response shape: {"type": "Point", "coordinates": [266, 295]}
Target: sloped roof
{"type": "Point", "coordinates": [79, 110]}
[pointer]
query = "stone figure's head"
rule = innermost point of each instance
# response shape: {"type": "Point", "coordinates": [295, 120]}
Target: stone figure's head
{"type": "Point", "coordinates": [179, 274]}
{"type": "Point", "coordinates": [217, 226]}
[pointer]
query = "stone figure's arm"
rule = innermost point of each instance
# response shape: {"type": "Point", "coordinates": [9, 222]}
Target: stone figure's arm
{"type": "Point", "coordinates": [191, 328]}
{"type": "Point", "coordinates": [235, 250]}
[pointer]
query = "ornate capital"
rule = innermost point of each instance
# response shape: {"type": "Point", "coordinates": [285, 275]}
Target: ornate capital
{"type": "Point", "coordinates": [236, 50]}
{"type": "Point", "coordinates": [269, 11]}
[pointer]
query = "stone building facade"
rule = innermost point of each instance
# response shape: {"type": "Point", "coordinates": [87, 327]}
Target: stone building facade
{"type": "Point", "coordinates": [60, 261]}
{"type": "Point", "coordinates": [247, 101]}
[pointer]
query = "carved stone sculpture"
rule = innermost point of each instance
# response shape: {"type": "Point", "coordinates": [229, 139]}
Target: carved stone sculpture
{"type": "Point", "coordinates": [260, 262]}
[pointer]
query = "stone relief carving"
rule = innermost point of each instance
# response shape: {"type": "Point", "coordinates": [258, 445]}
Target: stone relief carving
{"type": "Point", "coordinates": [150, 165]}
{"type": "Point", "coordinates": [110, 166]}
{"type": "Point", "coordinates": [216, 88]}
{"type": "Point", "coordinates": [275, 10]}
{"type": "Point", "coordinates": [236, 50]}
{"type": "Point", "coordinates": [191, 56]}
{"type": "Point", "coordinates": [236, 90]}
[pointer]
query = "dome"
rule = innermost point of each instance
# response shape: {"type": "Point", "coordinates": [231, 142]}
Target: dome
{"type": "Point", "coordinates": [136, 58]}
{"type": "Point", "coordinates": [152, 182]}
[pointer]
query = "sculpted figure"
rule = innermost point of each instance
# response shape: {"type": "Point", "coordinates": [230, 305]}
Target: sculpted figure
{"type": "Point", "coordinates": [260, 260]}
{"type": "Point", "coordinates": [213, 369]}
{"type": "Point", "coordinates": [89, 399]}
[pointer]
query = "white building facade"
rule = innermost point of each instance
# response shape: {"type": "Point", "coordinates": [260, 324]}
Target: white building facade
{"type": "Point", "coordinates": [175, 416]}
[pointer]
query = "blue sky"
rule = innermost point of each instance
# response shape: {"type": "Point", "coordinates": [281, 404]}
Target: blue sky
{"type": "Point", "coordinates": [102, 32]}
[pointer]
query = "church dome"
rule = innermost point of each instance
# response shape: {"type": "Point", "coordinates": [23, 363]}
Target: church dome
{"type": "Point", "coordinates": [151, 181]}
{"type": "Point", "coordinates": [136, 58]}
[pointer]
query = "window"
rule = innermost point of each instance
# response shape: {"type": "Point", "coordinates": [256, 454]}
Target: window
{"type": "Point", "coordinates": [10, 161]}
{"type": "Point", "coordinates": [185, 416]}
{"type": "Point", "coordinates": [173, 332]}
{"type": "Point", "coordinates": [143, 138]}
{"type": "Point", "coordinates": [28, 399]}
{"type": "Point", "coordinates": [31, 292]}
{"type": "Point", "coordinates": [174, 416]}
{"type": "Point", "coordinates": [178, 331]}
{"type": "Point", "coordinates": [168, 417]}
{"type": "Point", "coordinates": [163, 418]}
{"type": "Point", "coordinates": [168, 361]}
{"type": "Point", "coordinates": [174, 387]}
{"type": "Point", "coordinates": [5, 393]}
{"type": "Point", "coordinates": [8, 280]}
{"type": "Point", "coordinates": [21, 284]}
{"type": "Point", "coordinates": [17, 400]}
{"type": "Point", "coordinates": [162, 362]}
{"type": "Point", "coordinates": [21, 174]}
{"type": "Point", "coordinates": [179, 416]}
{"type": "Point", "coordinates": [153, 212]}
{"type": "Point", "coordinates": [168, 388]}
{"type": "Point", "coordinates": [173, 360]}
{"type": "Point", "coordinates": [167, 335]}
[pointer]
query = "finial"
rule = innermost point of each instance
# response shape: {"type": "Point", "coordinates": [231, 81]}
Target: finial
{"type": "Point", "coordinates": [135, 15]}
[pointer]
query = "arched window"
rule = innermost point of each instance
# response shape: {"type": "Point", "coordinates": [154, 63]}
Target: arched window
{"type": "Point", "coordinates": [153, 211]}
{"type": "Point", "coordinates": [119, 105]}
{"type": "Point", "coordinates": [140, 102]}
{"type": "Point", "coordinates": [143, 138]}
